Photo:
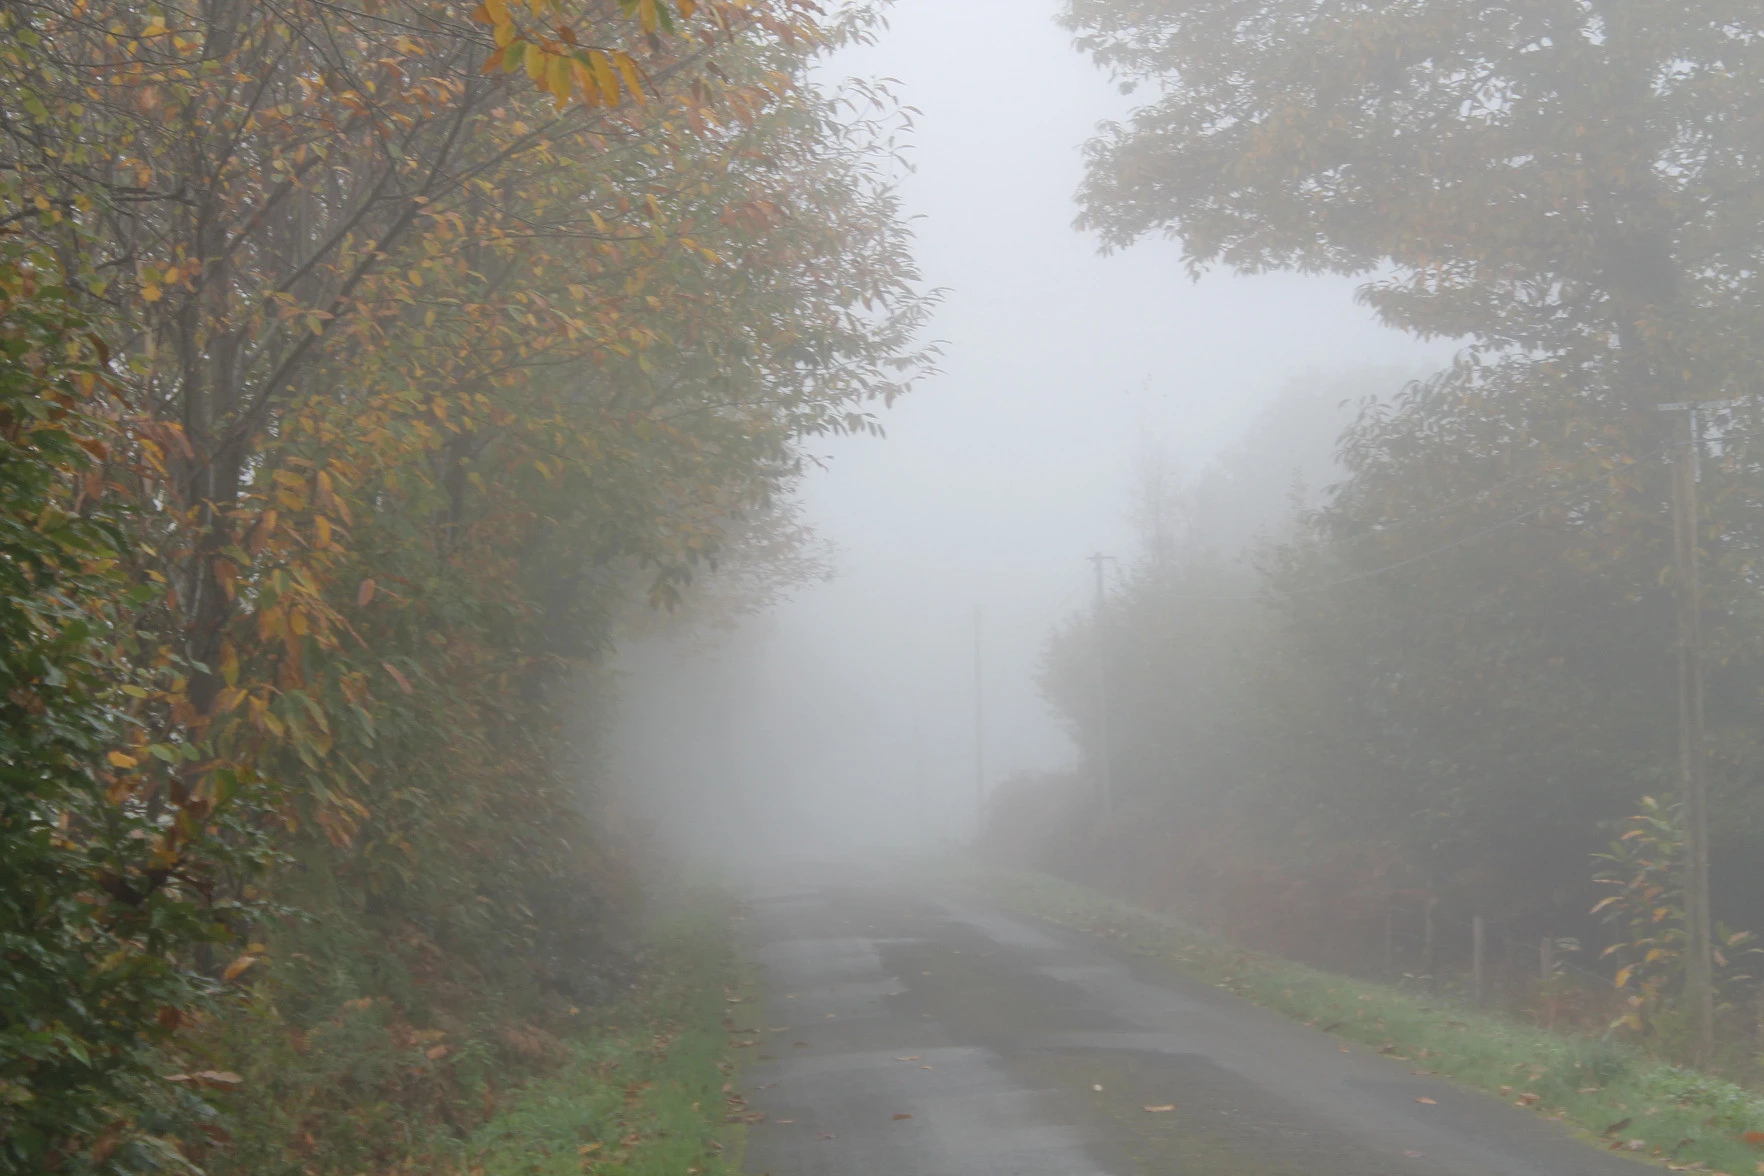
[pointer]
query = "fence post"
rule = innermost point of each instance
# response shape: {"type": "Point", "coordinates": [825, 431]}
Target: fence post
{"type": "Point", "coordinates": [1477, 945]}
{"type": "Point", "coordinates": [1546, 958]}
{"type": "Point", "coordinates": [1430, 950]}
{"type": "Point", "coordinates": [1389, 942]}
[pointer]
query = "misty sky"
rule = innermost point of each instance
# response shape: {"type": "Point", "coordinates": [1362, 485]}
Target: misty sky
{"type": "Point", "coordinates": [997, 478]}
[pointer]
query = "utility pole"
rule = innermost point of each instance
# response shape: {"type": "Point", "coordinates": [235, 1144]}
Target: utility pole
{"type": "Point", "coordinates": [1100, 657]}
{"type": "Point", "coordinates": [979, 732]}
{"type": "Point", "coordinates": [923, 818]}
{"type": "Point", "coordinates": [1692, 751]}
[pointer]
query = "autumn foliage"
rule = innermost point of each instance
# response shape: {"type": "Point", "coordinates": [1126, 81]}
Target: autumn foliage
{"type": "Point", "coordinates": [361, 361]}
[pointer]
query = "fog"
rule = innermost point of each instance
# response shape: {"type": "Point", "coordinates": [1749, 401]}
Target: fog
{"type": "Point", "coordinates": [846, 715]}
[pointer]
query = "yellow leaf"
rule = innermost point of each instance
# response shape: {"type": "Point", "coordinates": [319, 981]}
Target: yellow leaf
{"type": "Point", "coordinates": [151, 293]}
{"type": "Point", "coordinates": [239, 966]}
{"type": "Point", "coordinates": [535, 59]}
{"type": "Point", "coordinates": [498, 10]}
{"type": "Point", "coordinates": [559, 82]}
{"type": "Point", "coordinates": [119, 760]}
{"type": "Point", "coordinates": [603, 73]}
{"type": "Point", "coordinates": [633, 79]}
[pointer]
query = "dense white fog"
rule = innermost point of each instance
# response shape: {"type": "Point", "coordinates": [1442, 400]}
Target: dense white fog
{"type": "Point", "coordinates": [1063, 371]}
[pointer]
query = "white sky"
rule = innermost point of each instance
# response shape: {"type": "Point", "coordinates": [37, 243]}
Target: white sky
{"type": "Point", "coordinates": [996, 479]}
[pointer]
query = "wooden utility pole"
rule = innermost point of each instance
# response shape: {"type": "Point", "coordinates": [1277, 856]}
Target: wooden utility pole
{"type": "Point", "coordinates": [1692, 751]}
{"type": "Point", "coordinates": [1101, 658]}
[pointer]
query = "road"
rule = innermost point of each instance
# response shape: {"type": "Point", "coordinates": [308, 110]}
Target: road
{"type": "Point", "coordinates": [910, 1031]}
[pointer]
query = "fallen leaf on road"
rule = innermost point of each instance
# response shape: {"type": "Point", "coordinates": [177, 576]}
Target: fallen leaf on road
{"type": "Point", "coordinates": [830, 1016]}
{"type": "Point", "coordinates": [1162, 1109]}
{"type": "Point", "coordinates": [924, 1067]}
{"type": "Point", "coordinates": [899, 1117]}
{"type": "Point", "coordinates": [1413, 1155]}
{"type": "Point", "coordinates": [1097, 1086]}
{"type": "Point", "coordinates": [800, 1044]}
{"type": "Point", "coordinates": [1421, 1073]}
{"type": "Point", "coordinates": [908, 1058]}
{"type": "Point", "coordinates": [1424, 1100]}
{"type": "Point", "coordinates": [779, 1029]}
{"type": "Point", "coordinates": [826, 1135]}
{"type": "Point", "coordinates": [1529, 1099]}
{"type": "Point", "coordinates": [1344, 1049]}
{"type": "Point", "coordinates": [783, 1120]}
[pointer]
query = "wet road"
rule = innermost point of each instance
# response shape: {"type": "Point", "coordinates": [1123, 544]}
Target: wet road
{"type": "Point", "coordinates": [910, 1032]}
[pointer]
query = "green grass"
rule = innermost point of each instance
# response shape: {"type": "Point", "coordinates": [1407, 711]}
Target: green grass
{"type": "Point", "coordinates": [642, 1092]}
{"type": "Point", "coordinates": [1681, 1117]}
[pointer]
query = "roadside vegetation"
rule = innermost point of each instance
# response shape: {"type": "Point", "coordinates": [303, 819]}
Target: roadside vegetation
{"type": "Point", "coordinates": [1615, 1095]}
{"type": "Point", "coordinates": [1408, 661]}
{"type": "Point", "coordinates": [365, 370]}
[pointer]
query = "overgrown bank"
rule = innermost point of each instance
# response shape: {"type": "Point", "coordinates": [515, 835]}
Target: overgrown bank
{"type": "Point", "coordinates": [1617, 1096]}
{"type": "Point", "coordinates": [633, 1086]}
{"type": "Point", "coordinates": [365, 368]}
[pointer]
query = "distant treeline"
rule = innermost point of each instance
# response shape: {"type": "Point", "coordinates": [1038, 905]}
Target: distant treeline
{"type": "Point", "coordinates": [1451, 676]}
{"type": "Point", "coordinates": [359, 364]}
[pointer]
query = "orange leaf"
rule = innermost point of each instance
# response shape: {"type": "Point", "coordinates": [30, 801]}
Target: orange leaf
{"type": "Point", "coordinates": [239, 967]}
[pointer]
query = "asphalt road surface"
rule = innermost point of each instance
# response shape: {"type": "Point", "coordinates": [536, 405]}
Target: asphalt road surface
{"type": "Point", "coordinates": [915, 1032]}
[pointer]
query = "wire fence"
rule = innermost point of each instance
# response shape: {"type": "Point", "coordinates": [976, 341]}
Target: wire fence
{"type": "Point", "coordinates": [1430, 939]}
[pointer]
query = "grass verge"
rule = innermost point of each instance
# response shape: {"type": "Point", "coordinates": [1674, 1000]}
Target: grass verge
{"type": "Point", "coordinates": [1616, 1096]}
{"type": "Point", "coordinates": [643, 1091]}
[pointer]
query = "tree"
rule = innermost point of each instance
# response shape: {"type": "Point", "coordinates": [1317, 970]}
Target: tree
{"type": "Point", "coordinates": [418, 367]}
{"type": "Point", "coordinates": [1572, 180]}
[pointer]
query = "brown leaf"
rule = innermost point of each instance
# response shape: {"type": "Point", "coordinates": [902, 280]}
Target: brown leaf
{"type": "Point", "coordinates": [1755, 1138]}
{"type": "Point", "coordinates": [1425, 1101]}
{"type": "Point", "coordinates": [1161, 1109]}
{"type": "Point", "coordinates": [398, 678]}
{"type": "Point", "coordinates": [899, 1117]}
{"type": "Point", "coordinates": [800, 1044]}
{"type": "Point", "coordinates": [1413, 1155]}
{"type": "Point", "coordinates": [908, 1058]}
